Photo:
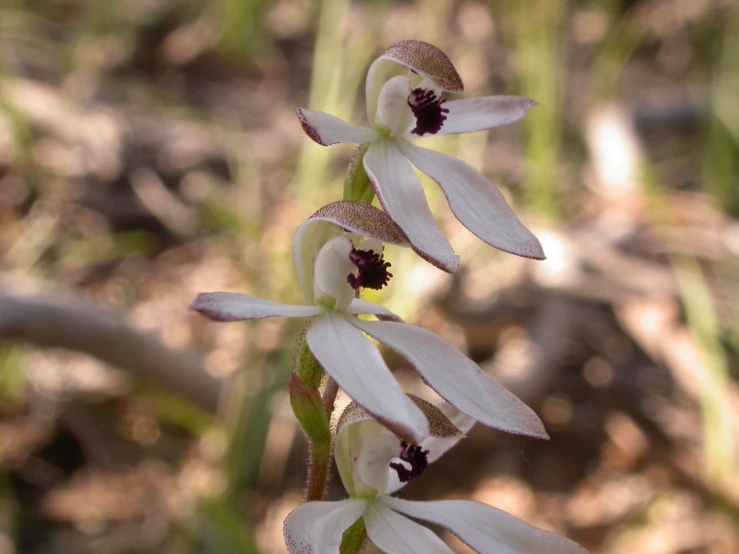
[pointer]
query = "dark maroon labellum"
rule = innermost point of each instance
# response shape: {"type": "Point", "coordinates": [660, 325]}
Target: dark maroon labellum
{"type": "Point", "coordinates": [373, 273]}
{"type": "Point", "coordinates": [417, 458]}
{"type": "Point", "coordinates": [426, 106]}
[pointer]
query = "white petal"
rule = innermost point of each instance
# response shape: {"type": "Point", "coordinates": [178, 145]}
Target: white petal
{"type": "Point", "coordinates": [359, 306]}
{"type": "Point", "coordinates": [232, 306]}
{"type": "Point", "coordinates": [331, 270]}
{"type": "Point", "coordinates": [327, 129]}
{"type": "Point", "coordinates": [395, 534]}
{"type": "Point", "coordinates": [476, 203]}
{"type": "Point", "coordinates": [456, 378]}
{"type": "Point", "coordinates": [401, 194]}
{"type": "Point", "coordinates": [393, 111]}
{"type": "Point", "coordinates": [316, 527]}
{"type": "Point", "coordinates": [351, 359]}
{"type": "Point", "coordinates": [486, 529]}
{"type": "Point", "coordinates": [478, 114]}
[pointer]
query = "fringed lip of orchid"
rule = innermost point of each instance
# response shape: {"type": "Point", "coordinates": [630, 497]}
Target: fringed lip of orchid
{"type": "Point", "coordinates": [405, 88]}
{"type": "Point", "coordinates": [373, 464]}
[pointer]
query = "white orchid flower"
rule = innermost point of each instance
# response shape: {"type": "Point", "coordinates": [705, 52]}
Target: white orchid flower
{"type": "Point", "coordinates": [330, 267]}
{"type": "Point", "coordinates": [404, 99]}
{"type": "Point", "coordinates": [373, 463]}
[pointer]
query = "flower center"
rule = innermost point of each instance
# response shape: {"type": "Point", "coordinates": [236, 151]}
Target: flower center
{"type": "Point", "coordinates": [426, 106]}
{"type": "Point", "coordinates": [415, 457]}
{"type": "Point", "coordinates": [373, 273]}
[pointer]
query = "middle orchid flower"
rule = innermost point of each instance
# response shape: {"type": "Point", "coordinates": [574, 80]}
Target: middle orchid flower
{"type": "Point", "coordinates": [404, 99]}
{"type": "Point", "coordinates": [332, 264]}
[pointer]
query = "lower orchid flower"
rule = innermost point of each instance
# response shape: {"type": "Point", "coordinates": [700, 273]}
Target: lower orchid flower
{"type": "Point", "coordinates": [373, 463]}
{"type": "Point", "coordinates": [332, 263]}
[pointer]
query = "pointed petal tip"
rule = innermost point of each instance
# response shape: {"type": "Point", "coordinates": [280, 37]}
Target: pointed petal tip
{"type": "Point", "coordinates": [529, 247]}
{"type": "Point", "coordinates": [309, 129]}
{"type": "Point", "coordinates": [202, 303]}
{"type": "Point", "coordinates": [326, 129]}
{"type": "Point", "coordinates": [529, 103]}
{"type": "Point", "coordinates": [449, 264]}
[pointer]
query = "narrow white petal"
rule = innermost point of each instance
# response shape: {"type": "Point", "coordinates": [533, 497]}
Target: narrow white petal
{"type": "Point", "coordinates": [316, 527]}
{"type": "Point", "coordinates": [232, 306]}
{"type": "Point", "coordinates": [394, 534]}
{"type": "Point", "coordinates": [327, 129]}
{"type": "Point", "coordinates": [359, 306]}
{"type": "Point", "coordinates": [401, 194]}
{"type": "Point", "coordinates": [486, 529]}
{"type": "Point", "coordinates": [476, 203]}
{"type": "Point", "coordinates": [478, 114]}
{"type": "Point", "coordinates": [351, 359]}
{"type": "Point", "coordinates": [456, 378]}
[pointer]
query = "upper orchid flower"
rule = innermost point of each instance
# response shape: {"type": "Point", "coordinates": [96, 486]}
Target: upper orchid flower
{"type": "Point", "coordinates": [373, 463]}
{"type": "Point", "coordinates": [332, 263]}
{"type": "Point", "coordinates": [404, 93]}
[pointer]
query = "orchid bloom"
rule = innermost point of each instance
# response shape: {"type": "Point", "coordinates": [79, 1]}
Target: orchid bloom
{"type": "Point", "coordinates": [332, 262]}
{"type": "Point", "coordinates": [373, 463]}
{"type": "Point", "coordinates": [404, 99]}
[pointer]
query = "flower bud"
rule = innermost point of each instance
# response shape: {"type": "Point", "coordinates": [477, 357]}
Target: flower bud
{"type": "Point", "coordinates": [308, 408]}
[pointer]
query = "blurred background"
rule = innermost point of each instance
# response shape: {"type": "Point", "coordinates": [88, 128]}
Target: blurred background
{"type": "Point", "coordinates": [149, 150]}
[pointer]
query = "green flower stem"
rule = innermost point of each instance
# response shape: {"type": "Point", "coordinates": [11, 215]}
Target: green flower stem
{"type": "Point", "coordinates": [312, 411]}
{"type": "Point", "coordinates": [357, 185]}
{"type": "Point", "coordinates": [308, 407]}
{"type": "Point", "coordinates": [306, 367]}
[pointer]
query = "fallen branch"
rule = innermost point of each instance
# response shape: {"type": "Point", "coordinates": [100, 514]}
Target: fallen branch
{"type": "Point", "coordinates": [77, 325]}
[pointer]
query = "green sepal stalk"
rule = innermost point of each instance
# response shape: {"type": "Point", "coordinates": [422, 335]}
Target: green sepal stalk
{"type": "Point", "coordinates": [307, 406]}
{"type": "Point", "coordinates": [306, 367]}
{"type": "Point", "coordinates": [353, 538]}
{"type": "Point", "coordinates": [357, 185]}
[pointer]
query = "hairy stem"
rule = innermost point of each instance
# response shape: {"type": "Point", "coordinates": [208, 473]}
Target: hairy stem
{"type": "Point", "coordinates": [357, 185]}
{"type": "Point", "coordinates": [318, 472]}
